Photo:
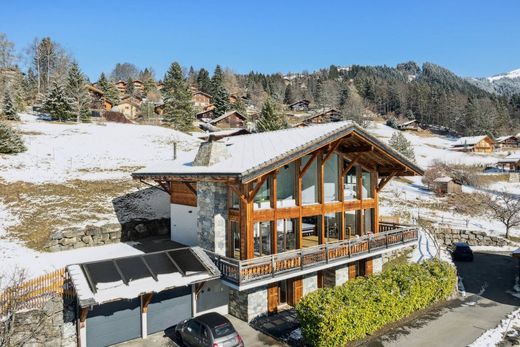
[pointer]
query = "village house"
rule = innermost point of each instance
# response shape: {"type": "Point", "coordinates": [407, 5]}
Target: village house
{"type": "Point", "coordinates": [99, 103]}
{"type": "Point", "coordinates": [230, 119]}
{"type": "Point", "coordinates": [200, 99]}
{"type": "Point", "coordinates": [300, 105]}
{"type": "Point", "coordinates": [508, 141]}
{"type": "Point", "coordinates": [446, 185]}
{"type": "Point", "coordinates": [129, 107]}
{"type": "Point", "coordinates": [121, 87]}
{"type": "Point", "coordinates": [206, 115]}
{"type": "Point", "coordinates": [510, 163]}
{"type": "Point", "coordinates": [138, 86]}
{"type": "Point", "coordinates": [409, 125]}
{"type": "Point", "coordinates": [481, 144]}
{"type": "Point", "coordinates": [320, 116]}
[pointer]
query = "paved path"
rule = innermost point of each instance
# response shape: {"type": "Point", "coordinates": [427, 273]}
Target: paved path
{"type": "Point", "coordinates": [487, 281]}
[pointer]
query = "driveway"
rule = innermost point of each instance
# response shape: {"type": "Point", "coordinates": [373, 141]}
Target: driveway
{"type": "Point", "coordinates": [487, 281]}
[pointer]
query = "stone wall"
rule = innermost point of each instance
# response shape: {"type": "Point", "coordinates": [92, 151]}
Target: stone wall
{"type": "Point", "coordinates": [211, 221]}
{"type": "Point", "coordinates": [92, 235]}
{"type": "Point", "coordinates": [248, 304]}
{"type": "Point", "coordinates": [377, 264]}
{"type": "Point", "coordinates": [387, 256]}
{"type": "Point", "coordinates": [335, 276]}
{"type": "Point", "coordinates": [448, 236]}
{"type": "Point", "coordinates": [310, 283]}
{"type": "Point", "coordinates": [53, 325]}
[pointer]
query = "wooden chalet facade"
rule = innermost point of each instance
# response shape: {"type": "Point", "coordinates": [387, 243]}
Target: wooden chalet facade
{"type": "Point", "coordinates": [286, 212]}
{"type": "Point", "coordinates": [480, 144]}
{"type": "Point", "coordinates": [121, 87]}
{"type": "Point", "coordinates": [200, 99]}
{"type": "Point", "coordinates": [300, 105]}
{"type": "Point", "coordinates": [99, 103]}
{"type": "Point", "coordinates": [231, 119]}
{"type": "Point", "coordinates": [323, 116]}
{"type": "Point", "coordinates": [507, 142]}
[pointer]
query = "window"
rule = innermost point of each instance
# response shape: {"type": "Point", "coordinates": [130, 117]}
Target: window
{"type": "Point", "coordinates": [235, 201]}
{"type": "Point", "coordinates": [351, 184]}
{"type": "Point", "coordinates": [310, 231]}
{"type": "Point", "coordinates": [285, 186]}
{"type": "Point", "coordinates": [351, 223]}
{"type": "Point", "coordinates": [330, 179]}
{"type": "Point", "coordinates": [309, 182]}
{"type": "Point", "coordinates": [262, 238]}
{"type": "Point", "coordinates": [360, 268]}
{"type": "Point", "coordinates": [367, 185]}
{"type": "Point", "coordinates": [235, 233]}
{"type": "Point", "coordinates": [369, 220]}
{"type": "Point", "coordinates": [286, 235]}
{"type": "Point", "coordinates": [263, 196]}
{"type": "Point", "coordinates": [332, 227]}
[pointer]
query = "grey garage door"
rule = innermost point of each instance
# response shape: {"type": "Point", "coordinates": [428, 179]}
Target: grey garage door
{"type": "Point", "coordinates": [169, 308]}
{"type": "Point", "coordinates": [113, 322]}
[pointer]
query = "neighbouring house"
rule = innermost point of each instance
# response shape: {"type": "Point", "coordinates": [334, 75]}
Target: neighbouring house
{"type": "Point", "coordinates": [446, 185]}
{"type": "Point", "coordinates": [200, 99]}
{"type": "Point", "coordinates": [129, 107]}
{"type": "Point", "coordinates": [139, 86]}
{"type": "Point", "coordinates": [159, 108]}
{"type": "Point", "coordinates": [233, 98]}
{"type": "Point", "coordinates": [230, 119]}
{"type": "Point", "coordinates": [510, 163]}
{"type": "Point", "coordinates": [300, 105]}
{"type": "Point", "coordinates": [281, 213]}
{"type": "Point", "coordinates": [509, 141]}
{"type": "Point", "coordinates": [99, 102]}
{"type": "Point", "coordinates": [320, 116]}
{"type": "Point", "coordinates": [481, 144]}
{"type": "Point", "coordinates": [206, 115]}
{"type": "Point", "coordinates": [121, 87]}
{"type": "Point", "coordinates": [409, 125]}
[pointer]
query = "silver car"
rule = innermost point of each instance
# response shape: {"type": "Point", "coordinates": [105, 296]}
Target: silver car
{"type": "Point", "coordinates": [208, 330]}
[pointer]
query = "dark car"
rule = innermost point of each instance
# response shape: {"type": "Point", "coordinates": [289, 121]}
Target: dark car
{"type": "Point", "coordinates": [208, 330]}
{"type": "Point", "coordinates": [462, 252]}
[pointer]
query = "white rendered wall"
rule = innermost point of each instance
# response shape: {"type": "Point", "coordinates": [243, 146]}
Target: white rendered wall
{"type": "Point", "coordinates": [184, 224]}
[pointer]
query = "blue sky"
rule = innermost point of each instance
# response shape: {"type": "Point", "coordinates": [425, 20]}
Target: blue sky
{"type": "Point", "coordinates": [472, 38]}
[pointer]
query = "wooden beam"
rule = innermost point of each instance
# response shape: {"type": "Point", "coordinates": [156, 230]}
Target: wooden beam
{"type": "Point", "coordinates": [384, 181]}
{"type": "Point", "coordinates": [350, 165]}
{"type": "Point", "coordinates": [165, 186]}
{"type": "Point", "coordinates": [190, 187]}
{"type": "Point", "coordinates": [332, 150]}
{"type": "Point", "coordinates": [358, 149]}
{"type": "Point", "coordinates": [147, 298]}
{"type": "Point", "coordinates": [258, 186]}
{"type": "Point", "coordinates": [309, 163]}
{"type": "Point", "coordinates": [83, 312]}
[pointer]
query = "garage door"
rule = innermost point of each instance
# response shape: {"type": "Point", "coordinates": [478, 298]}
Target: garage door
{"type": "Point", "coordinates": [169, 308]}
{"type": "Point", "coordinates": [113, 323]}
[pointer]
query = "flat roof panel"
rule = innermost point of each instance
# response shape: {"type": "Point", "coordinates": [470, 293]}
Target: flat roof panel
{"type": "Point", "coordinates": [187, 261]}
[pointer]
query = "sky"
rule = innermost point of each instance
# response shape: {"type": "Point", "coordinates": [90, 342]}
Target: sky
{"type": "Point", "coordinates": [471, 38]}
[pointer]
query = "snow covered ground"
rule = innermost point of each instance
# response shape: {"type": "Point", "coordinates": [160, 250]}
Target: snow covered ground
{"type": "Point", "coordinates": [494, 336]}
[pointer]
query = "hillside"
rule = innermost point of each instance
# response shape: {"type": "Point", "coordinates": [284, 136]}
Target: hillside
{"type": "Point", "coordinates": [506, 84]}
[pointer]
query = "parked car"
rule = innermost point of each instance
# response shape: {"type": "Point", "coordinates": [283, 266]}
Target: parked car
{"type": "Point", "coordinates": [462, 252]}
{"type": "Point", "coordinates": [208, 330]}
{"type": "Point", "coordinates": [44, 116]}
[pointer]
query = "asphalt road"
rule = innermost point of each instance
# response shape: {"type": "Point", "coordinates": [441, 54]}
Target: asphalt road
{"type": "Point", "coordinates": [487, 281]}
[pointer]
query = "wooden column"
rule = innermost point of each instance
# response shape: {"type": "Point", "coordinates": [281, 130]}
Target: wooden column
{"type": "Point", "coordinates": [321, 198]}
{"type": "Point", "coordinates": [375, 179]}
{"type": "Point", "coordinates": [299, 203]}
{"type": "Point", "coordinates": [83, 312]}
{"type": "Point", "coordinates": [341, 196]}
{"type": "Point", "coordinates": [272, 298]}
{"type": "Point", "coordinates": [351, 271]}
{"type": "Point", "coordinates": [246, 223]}
{"type": "Point", "coordinates": [274, 224]}
{"type": "Point", "coordinates": [145, 300]}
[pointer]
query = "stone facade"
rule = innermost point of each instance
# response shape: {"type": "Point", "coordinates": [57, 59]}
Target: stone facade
{"type": "Point", "coordinates": [448, 236]}
{"type": "Point", "coordinates": [310, 283]}
{"type": "Point", "coordinates": [211, 221]}
{"type": "Point", "coordinates": [248, 304]}
{"type": "Point", "coordinates": [387, 256]}
{"type": "Point", "coordinates": [335, 276]}
{"type": "Point", "coordinates": [377, 264]}
{"type": "Point", "coordinates": [53, 325]}
{"type": "Point", "coordinates": [91, 235]}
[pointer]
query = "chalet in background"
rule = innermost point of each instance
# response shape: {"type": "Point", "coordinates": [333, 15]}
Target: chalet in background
{"type": "Point", "coordinates": [409, 125]}
{"type": "Point", "coordinates": [301, 105]}
{"type": "Point", "coordinates": [319, 117]}
{"type": "Point", "coordinates": [121, 87]}
{"type": "Point", "coordinates": [510, 163]}
{"type": "Point", "coordinates": [480, 144]}
{"type": "Point", "coordinates": [200, 99]}
{"type": "Point", "coordinates": [446, 185]}
{"type": "Point", "coordinates": [231, 119]}
{"type": "Point", "coordinates": [509, 141]}
{"type": "Point", "coordinates": [99, 103]}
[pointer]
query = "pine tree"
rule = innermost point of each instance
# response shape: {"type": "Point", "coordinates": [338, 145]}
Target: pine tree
{"type": "Point", "coordinates": [402, 145]}
{"type": "Point", "coordinates": [289, 95]}
{"type": "Point", "coordinates": [219, 92]}
{"type": "Point", "coordinates": [10, 141]}
{"type": "Point", "coordinates": [203, 81]}
{"type": "Point", "coordinates": [102, 82]}
{"type": "Point", "coordinates": [78, 94]}
{"type": "Point", "coordinates": [9, 111]}
{"type": "Point", "coordinates": [178, 108]}
{"type": "Point", "coordinates": [30, 85]}
{"type": "Point", "coordinates": [57, 103]}
{"type": "Point", "coordinates": [130, 90]}
{"type": "Point", "coordinates": [270, 118]}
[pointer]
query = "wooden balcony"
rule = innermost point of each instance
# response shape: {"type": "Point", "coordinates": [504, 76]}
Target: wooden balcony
{"type": "Point", "coordinates": [244, 272]}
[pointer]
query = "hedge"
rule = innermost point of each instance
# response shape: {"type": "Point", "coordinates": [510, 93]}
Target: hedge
{"type": "Point", "coordinates": [335, 316]}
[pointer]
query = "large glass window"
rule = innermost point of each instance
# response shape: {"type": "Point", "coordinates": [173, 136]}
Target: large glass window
{"type": "Point", "coordinates": [285, 235]}
{"type": "Point", "coordinates": [235, 200]}
{"type": "Point", "coordinates": [330, 179]}
{"type": "Point", "coordinates": [262, 235]}
{"type": "Point", "coordinates": [235, 233]}
{"type": "Point", "coordinates": [285, 186]}
{"type": "Point", "coordinates": [263, 196]}
{"type": "Point", "coordinates": [369, 220]}
{"type": "Point", "coordinates": [350, 190]}
{"type": "Point", "coordinates": [309, 182]}
{"type": "Point", "coordinates": [351, 224]}
{"type": "Point", "coordinates": [332, 227]}
{"type": "Point", "coordinates": [366, 180]}
{"type": "Point", "coordinates": [310, 231]}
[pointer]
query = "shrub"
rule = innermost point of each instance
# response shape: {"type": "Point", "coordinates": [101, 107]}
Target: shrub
{"type": "Point", "coordinates": [335, 316]}
{"type": "Point", "coordinates": [10, 141]}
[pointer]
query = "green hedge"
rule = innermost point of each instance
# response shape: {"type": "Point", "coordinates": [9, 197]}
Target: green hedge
{"type": "Point", "coordinates": [334, 316]}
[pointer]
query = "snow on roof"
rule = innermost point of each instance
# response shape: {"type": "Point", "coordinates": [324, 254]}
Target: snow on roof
{"type": "Point", "coordinates": [443, 179]}
{"type": "Point", "coordinates": [225, 115]}
{"type": "Point", "coordinates": [503, 138]}
{"type": "Point", "coordinates": [249, 153]}
{"type": "Point", "coordinates": [469, 140]}
{"type": "Point", "coordinates": [220, 133]}
{"type": "Point", "coordinates": [408, 122]}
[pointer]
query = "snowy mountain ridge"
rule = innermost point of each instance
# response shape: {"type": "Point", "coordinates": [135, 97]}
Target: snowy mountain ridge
{"type": "Point", "coordinates": [507, 83]}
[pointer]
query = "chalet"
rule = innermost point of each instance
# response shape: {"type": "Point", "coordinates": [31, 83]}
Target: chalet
{"type": "Point", "coordinates": [510, 163]}
{"type": "Point", "coordinates": [409, 125]}
{"type": "Point", "coordinates": [321, 116]}
{"type": "Point", "coordinates": [159, 108]}
{"type": "Point", "coordinates": [300, 105]}
{"type": "Point", "coordinates": [206, 115]}
{"type": "Point", "coordinates": [283, 213]}
{"type": "Point", "coordinates": [121, 87]}
{"type": "Point", "coordinates": [231, 119]}
{"type": "Point", "coordinates": [99, 101]}
{"type": "Point", "coordinates": [200, 99]}
{"type": "Point", "coordinates": [481, 144]}
{"type": "Point", "coordinates": [507, 142]}
{"type": "Point", "coordinates": [446, 185]}
{"type": "Point", "coordinates": [138, 86]}
{"type": "Point", "coordinates": [128, 107]}
{"type": "Point", "coordinates": [233, 98]}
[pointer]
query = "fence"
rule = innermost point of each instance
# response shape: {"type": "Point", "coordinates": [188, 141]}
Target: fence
{"type": "Point", "coordinates": [34, 293]}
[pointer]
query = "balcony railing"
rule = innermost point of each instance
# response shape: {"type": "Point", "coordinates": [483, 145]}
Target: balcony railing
{"type": "Point", "coordinates": [242, 272]}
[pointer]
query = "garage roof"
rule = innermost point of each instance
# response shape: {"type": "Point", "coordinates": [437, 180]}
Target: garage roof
{"type": "Point", "coordinates": [128, 277]}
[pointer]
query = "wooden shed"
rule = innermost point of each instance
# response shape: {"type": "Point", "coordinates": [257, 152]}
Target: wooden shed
{"type": "Point", "coordinates": [446, 185]}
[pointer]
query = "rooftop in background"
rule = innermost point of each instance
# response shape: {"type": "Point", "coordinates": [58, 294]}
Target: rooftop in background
{"type": "Point", "coordinates": [469, 140]}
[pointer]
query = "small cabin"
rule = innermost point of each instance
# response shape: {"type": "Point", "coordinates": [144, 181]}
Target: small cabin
{"type": "Point", "coordinates": [301, 105]}
{"type": "Point", "coordinates": [409, 125]}
{"type": "Point", "coordinates": [128, 108]}
{"type": "Point", "coordinates": [319, 117]}
{"type": "Point", "coordinates": [480, 144]}
{"type": "Point", "coordinates": [510, 163]}
{"type": "Point", "coordinates": [508, 141]}
{"type": "Point", "coordinates": [200, 99]}
{"type": "Point", "coordinates": [231, 119]}
{"type": "Point", "coordinates": [446, 185]}
{"type": "Point", "coordinates": [206, 115]}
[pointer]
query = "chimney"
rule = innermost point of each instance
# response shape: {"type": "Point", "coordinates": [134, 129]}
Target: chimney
{"type": "Point", "coordinates": [211, 152]}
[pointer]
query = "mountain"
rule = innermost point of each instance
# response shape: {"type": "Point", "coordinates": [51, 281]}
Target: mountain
{"type": "Point", "coordinates": [505, 84]}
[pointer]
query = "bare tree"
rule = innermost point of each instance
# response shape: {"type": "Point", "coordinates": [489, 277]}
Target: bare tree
{"type": "Point", "coordinates": [505, 208]}
{"type": "Point", "coordinates": [7, 56]}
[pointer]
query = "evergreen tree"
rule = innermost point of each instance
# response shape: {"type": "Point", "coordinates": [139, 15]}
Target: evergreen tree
{"type": "Point", "coordinates": [203, 81]}
{"type": "Point", "coordinates": [130, 89]}
{"type": "Point", "coordinates": [9, 111]}
{"type": "Point", "coordinates": [270, 118]}
{"type": "Point", "coordinates": [57, 103]}
{"type": "Point", "coordinates": [30, 86]}
{"type": "Point", "coordinates": [10, 141]}
{"type": "Point", "coordinates": [178, 108]}
{"type": "Point", "coordinates": [102, 82]}
{"type": "Point", "coordinates": [240, 106]}
{"type": "Point", "coordinates": [112, 93]}
{"type": "Point", "coordinates": [289, 95]}
{"type": "Point", "coordinates": [77, 94]}
{"type": "Point", "coordinates": [219, 92]}
{"type": "Point", "coordinates": [402, 145]}
{"type": "Point", "coordinates": [147, 77]}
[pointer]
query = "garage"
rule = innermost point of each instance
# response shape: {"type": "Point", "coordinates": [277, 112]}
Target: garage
{"type": "Point", "coordinates": [113, 322]}
{"type": "Point", "coordinates": [169, 308]}
{"type": "Point", "coordinates": [125, 298]}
